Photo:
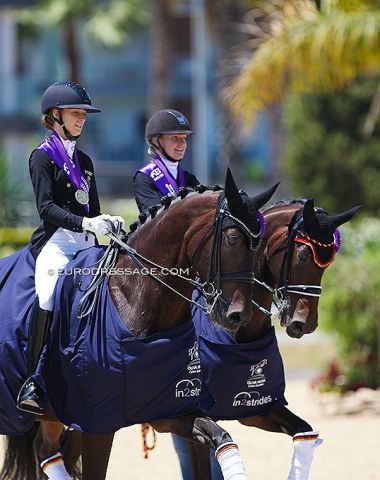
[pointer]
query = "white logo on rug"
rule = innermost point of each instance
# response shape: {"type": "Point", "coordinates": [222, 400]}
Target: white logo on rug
{"type": "Point", "coordinates": [250, 399]}
{"type": "Point", "coordinates": [257, 378]}
{"type": "Point", "coordinates": [194, 365]}
{"type": "Point", "coordinates": [188, 388]}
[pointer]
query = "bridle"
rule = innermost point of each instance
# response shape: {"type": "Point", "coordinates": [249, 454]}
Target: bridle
{"type": "Point", "coordinates": [280, 293]}
{"type": "Point", "coordinates": [210, 290]}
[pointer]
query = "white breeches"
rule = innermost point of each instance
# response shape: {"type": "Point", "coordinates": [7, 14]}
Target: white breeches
{"type": "Point", "coordinates": [52, 260]}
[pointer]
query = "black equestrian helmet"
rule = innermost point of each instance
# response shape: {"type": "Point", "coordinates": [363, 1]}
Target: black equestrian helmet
{"type": "Point", "coordinates": [66, 95]}
{"type": "Point", "coordinates": [167, 121]}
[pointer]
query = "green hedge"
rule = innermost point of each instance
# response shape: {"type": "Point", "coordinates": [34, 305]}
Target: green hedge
{"type": "Point", "coordinates": [350, 307]}
{"type": "Point", "coordinates": [12, 239]}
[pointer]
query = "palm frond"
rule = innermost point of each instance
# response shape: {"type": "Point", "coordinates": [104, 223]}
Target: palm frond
{"type": "Point", "coordinates": [318, 54]}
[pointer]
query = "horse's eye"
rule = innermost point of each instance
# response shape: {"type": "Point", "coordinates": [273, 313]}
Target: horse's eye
{"type": "Point", "coordinates": [303, 253]}
{"type": "Point", "coordinates": [232, 239]}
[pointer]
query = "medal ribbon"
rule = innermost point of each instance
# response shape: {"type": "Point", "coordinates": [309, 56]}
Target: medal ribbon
{"type": "Point", "coordinates": [53, 146]}
{"type": "Point", "coordinates": [161, 177]}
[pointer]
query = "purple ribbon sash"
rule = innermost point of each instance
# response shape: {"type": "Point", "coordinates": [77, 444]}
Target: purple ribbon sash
{"type": "Point", "coordinates": [161, 177]}
{"type": "Point", "coordinates": [53, 146]}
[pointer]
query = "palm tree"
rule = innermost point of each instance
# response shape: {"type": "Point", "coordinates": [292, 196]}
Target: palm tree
{"type": "Point", "coordinates": [307, 49]}
{"type": "Point", "coordinates": [303, 46]}
{"type": "Point", "coordinates": [109, 23]}
{"type": "Point", "coordinates": [161, 45]}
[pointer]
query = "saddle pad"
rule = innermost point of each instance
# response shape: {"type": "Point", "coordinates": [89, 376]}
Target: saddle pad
{"type": "Point", "coordinates": [100, 377]}
{"type": "Point", "coordinates": [16, 300]}
{"type": "Point", "coordinates": [238, 380]}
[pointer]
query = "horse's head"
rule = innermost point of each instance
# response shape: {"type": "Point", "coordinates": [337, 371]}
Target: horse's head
{"type": "Point", "coordinates": [300, 244]}
{"type": "Point", "coordinates": [225, 265]}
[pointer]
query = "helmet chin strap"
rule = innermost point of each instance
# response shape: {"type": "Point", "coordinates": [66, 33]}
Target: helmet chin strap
{"type": "Point", "coordinates": [66, 132]}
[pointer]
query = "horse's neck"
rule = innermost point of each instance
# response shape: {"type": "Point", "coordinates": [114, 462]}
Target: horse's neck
{"type": "Point", "coordinates": [145, 304]}
{"type": "Point", "coordinates": [148, 305]}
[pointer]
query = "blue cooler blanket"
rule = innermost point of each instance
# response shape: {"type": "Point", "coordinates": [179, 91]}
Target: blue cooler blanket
{"type": "Point", "coordinates": [238, 380]}
{"type": "Point", "coordinates": [100, 377]}
{"type": "Point", "coordinates": [16, 299]}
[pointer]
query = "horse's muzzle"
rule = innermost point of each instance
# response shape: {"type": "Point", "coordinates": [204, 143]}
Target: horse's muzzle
{"type": "Point", "coordinates": [236, 315]}
{"type": "Point", "coordinates": [297, 320]}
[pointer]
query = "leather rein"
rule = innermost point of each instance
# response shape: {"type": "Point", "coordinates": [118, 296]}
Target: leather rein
{"type": "Point", "coordinates": [210, 289]}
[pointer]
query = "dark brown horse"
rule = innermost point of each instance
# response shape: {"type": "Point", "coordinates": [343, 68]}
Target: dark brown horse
{"type": "Point", "coordinates": [211, 236]}
{"type": "Point", "coordinates": [300, 242]}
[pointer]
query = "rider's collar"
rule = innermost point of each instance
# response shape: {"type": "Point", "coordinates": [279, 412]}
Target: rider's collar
{"type": "Point", "coordinates": [171, 166]}
{"type": "Point", "coordinates": [69, 146]}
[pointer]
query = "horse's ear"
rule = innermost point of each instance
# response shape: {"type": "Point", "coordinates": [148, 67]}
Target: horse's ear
{"type": "Point", "coordinates": [309, 214]}
{"type": "Point", "coordinates": [231, 192]}
{"type": "Point", "coordinates": [346, 216]}
{"type": "Point", "coordinates": [262, 198]}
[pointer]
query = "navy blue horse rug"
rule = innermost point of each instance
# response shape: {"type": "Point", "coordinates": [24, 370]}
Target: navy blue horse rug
{"type": "Point", "coordinates": [238, 379]}
{"type": "Point", "coordinates": [100, 377]}
{"type": "Point", "coordinates": [16, 299]}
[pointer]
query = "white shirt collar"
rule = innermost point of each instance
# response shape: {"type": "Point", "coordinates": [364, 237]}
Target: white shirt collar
{"type": "Point", "coordinates": [69, 146]}
{"type": "Point", "coordinates": [171, 166]}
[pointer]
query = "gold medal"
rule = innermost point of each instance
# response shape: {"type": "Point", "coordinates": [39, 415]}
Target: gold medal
{"type": "Point", "coordinates": [81, 197]}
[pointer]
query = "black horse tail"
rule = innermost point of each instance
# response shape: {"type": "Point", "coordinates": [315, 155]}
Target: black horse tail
{"type": "Point", "coordinates": [20, 461]}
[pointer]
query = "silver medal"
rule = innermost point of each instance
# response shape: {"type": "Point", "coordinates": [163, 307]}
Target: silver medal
{"type": "Point", "coordinates": [81, 197]}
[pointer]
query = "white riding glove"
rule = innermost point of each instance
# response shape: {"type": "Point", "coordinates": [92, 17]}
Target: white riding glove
{"type": "Point", "coordinates": [100, 224]}
{"type": "Point", "coordinates": [117, 222]}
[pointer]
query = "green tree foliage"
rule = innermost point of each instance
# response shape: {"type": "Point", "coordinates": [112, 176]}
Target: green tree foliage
{"type": "Point", "coordinates": [329, 158]}
{"type": "Point", "coordinates": [327, 155]}
{"type": "Point", "coordinates": [301, 48]}
{"type": "Point", "coordinates": [350, 307]}
{"type": "Point", "coordinates": [12, 194]}
{"type": "Point", "coordinates": [106, 22]}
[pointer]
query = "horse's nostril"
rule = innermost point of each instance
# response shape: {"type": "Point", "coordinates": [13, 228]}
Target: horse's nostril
{"type": "Point", "coordinates": [234, 318]}
{"type": "Point", "coordinates": [297, 327]}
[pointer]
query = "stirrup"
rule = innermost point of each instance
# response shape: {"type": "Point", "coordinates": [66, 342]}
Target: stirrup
{"type": "Point", "coordinates": [31, 398]}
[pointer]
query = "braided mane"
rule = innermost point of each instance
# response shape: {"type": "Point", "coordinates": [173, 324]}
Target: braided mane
{"type": "Point", "coordinates": [165, 203]}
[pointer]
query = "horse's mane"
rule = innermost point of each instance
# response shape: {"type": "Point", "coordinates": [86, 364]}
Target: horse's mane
{"type": "Point", "coordinates": [165, 203]}
{"type": "Point", "coordinates": [284, 202]}
{"type": "Point", "coordinates": [168, 201]}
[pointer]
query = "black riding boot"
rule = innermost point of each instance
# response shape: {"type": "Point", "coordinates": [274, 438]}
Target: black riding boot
{"type": "Point", "coordinates": [31, 397]}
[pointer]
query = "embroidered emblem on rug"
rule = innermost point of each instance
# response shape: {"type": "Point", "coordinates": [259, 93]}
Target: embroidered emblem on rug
{"type": "Point", "coordinates": [257, 378]}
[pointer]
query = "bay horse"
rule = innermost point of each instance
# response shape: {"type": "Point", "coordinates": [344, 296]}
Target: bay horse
{"type": "Point", "coordinates": [242, 371]}
{"type": "Point", "coordinates": [210, 236]}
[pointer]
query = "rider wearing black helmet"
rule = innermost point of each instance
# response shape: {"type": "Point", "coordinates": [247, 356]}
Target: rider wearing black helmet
{"type": "Point", "coordinates": [68, 204]}
{"type": "Point", "coordinates": [166, 134]}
